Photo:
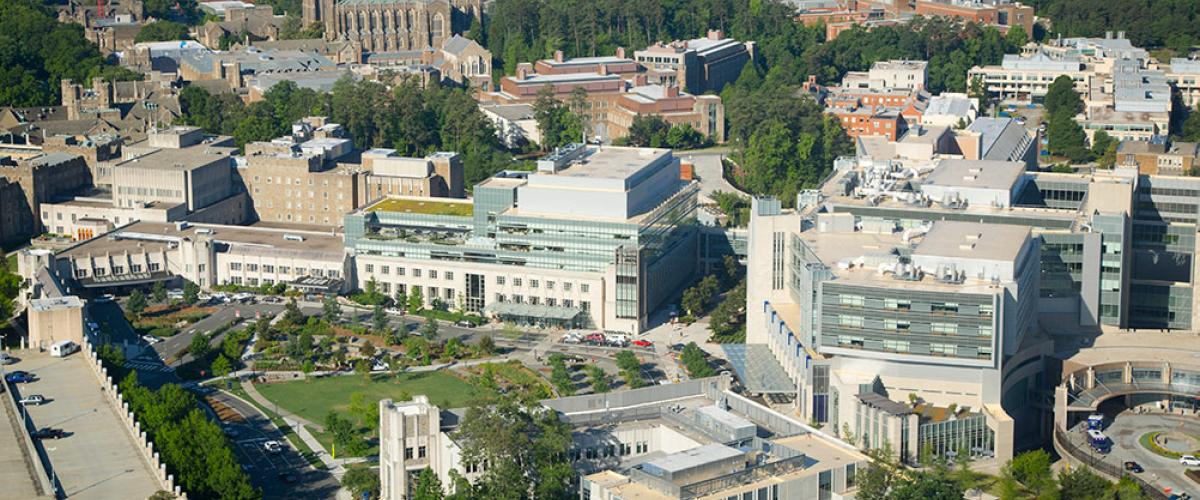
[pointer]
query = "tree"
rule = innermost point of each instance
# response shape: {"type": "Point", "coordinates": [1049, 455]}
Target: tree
{"type": "Point", "coordinates": [331, 311]}
{"type": "Point", "coordinates": [1066, 137]}
{"type": "Point", "coordinates": [430, 329]}
{"type": "Point", "coordinates": [159, 292]}
{"type": "Point", "coordinates": [428, 486]}
{"type": "Point", "coordinates": [648, 131]}
{"type": "Point", "coordinates": [415, 301]}
{"type": "Point", "coordinates": [732, 268]}
{"type": "Point", "coordinates": [560, 376]}
{"type": "Point", "coordinates": [379, 319]}
{"type": "Point", "coordinates": [361, 480]}
{"type": "Point", "coordinates": [199, 347]}
{"type": "Point", "coordinates": [1016, 37]}
{"type": "Point", "coordinates": [1191, 126]}
{"type": "Point", "coordinates": [1080, 483]}
{"type": "Point", "coordinates": [1061, 97]}
{"type": "Point", "coordinates": [401, 298]}
{"type": "Point", "coordinates": [221, 366]}
{"type": "Point", "coordinates": [366, 409]}
{"type": "Point", "coordinates": [160, 31]}
{"type": "Point", "coordinates": [875, 480]}
{"type": "Point", "coordinates": [556, 123]}
{"type": "Point", "coordinates": [136, 303]}
{"type": "Point", "coordinates": [344, 436]}
{"type": "Point", "coordinates": [300, 347]}
{"type": "Point", "coordinates": [695, 361]}
{"type": "Point", "coordinates": [927, 485]}
{"type": "Point", "coordinates": [525, 450]}
{"type": "Point", "coordinates": [486, 345]}
{"type": "Point", "coordinates": [631, 369]}
{"type": "Point", "coordinates": [363, 367]}
{"type": "Point", "coordinates": [1028, 475]}
{"type": "Point", "coordinates": [292, 314]}
{"type": "Point", "coordinates": [191, 292]}
{"type": "Point", "coordinates": [600, 381]}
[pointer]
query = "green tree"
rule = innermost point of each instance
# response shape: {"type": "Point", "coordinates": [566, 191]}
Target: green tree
{"type": "Point", "coordinates": [428, 486]}
{"type": "Point", "coordinates": [331, 311]}
{"type": "Point", "coordinates": [1080, 483]}
{"type": "Point", "coordinates": [648, 131]}
{"type": "Point", "coordinates": [430, 329]}
{"type": "Point", "coordinates": [415, 301]}
{"type": "Point", "coordinates": [159, 31]}
{"type": "Point", "coordinates": [1061, 97]}
{"type": "Point", "coordinates": [525, 450]}
{"type": "Point", "coordinates": [927, 485]}
{"type": "Point", "coordinates": [560, 376]}
{"type": "Point", "coordinates": [695, 361]}
{"type": "Point", "coordinates": [159, 292]}
{"type": "Point", "coordinates": [600, 381]}
{"type": "Point", "coordinates": [191, 292]}
{"type": "Point", "coordinates": [486, 345]}
{"type": "Point", "coordinates": [292, 313]}
{"type": "Point", "coordinates": [1104, 148]}
{"type": "Point", "coordinates": [300, 347]}
{"type": "Point", "coordinates": [379, 319]}
{"type": "Point", "coordinates": [366, 409]}
{"type": "Point", "coordinates": [345, 438]}
{"type": "Point", "coordinates": [556, 123]}
{"type": "Point", "coordinates": [875, 481]}
{"type": "Point", "coordinates": [401, 298]}
{"type": "Point", "coordinates": [1028, 475]}
{"type": "Point", "coordinates": [1016, 37]}
{"type": "Point", "coordinates": [1191, 126]}
{"type": "Point", "coordinates": [200, 346]}
{"type": "Point", "coordinates": [221, 366]}
{"type": "Point", "coordinates": [1066, 137]}
{"type": "Point", "coordinates": [631, 369]}
{"type": "Point", "coordinates": [361, 480]}
{"type": "Point", "coordinates": [136, 303]}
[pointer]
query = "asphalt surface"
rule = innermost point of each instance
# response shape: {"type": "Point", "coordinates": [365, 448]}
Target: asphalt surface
{"type": "Point", "coordinates": [1127, 428]}
{"type": "Point", "coordinates": [265, 468]}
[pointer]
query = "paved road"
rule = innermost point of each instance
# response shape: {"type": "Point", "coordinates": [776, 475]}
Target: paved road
{"type": "Point", "coordinates": [1127, 428]}
{"type": "Point", "coordinates": [709, 171]}
{"type": "Point", "coordinates": [264, 467]}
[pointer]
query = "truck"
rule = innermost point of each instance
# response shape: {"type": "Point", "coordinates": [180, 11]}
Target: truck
{"type": "Point", "coordinates": [1095, 422]}
{"type": "Point", "coordinates": [63, 349]}
{"type": "Point", "coordinates": [1098, 441]}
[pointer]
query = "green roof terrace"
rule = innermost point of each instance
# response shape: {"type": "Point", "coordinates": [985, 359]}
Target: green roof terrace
{"type": "Point", "coordinates": [425, 206]}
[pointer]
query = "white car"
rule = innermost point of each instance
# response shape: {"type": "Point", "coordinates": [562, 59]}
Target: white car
{"type": "Point", "coordinates": [150, 339]}
{"type": "Point", "coordinates": [273, 446]}
{"type": "Point", "coordinates": [1189, 460]}
{"type": "Point", "coordinates": [32, 399]}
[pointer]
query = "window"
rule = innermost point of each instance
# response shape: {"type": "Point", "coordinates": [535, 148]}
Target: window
{"type": "Point", "coordinates": [137, 268]}
{"type": "Point", "coordinates": [81, 273]}
{"type": "Point", "coordinates": [567, 286]}
{"type": "Point", "coordinates": [583, 287]}
{"type": "Point", "coordinates": [252, 268]}
{"type": "Point", "coordinates": [519, 299]}
{"type": "Point", "coordinates": [549, 285]}
{"type": "Point", "coordinates": [944, 308]}
{"type": "Point", "coordinates": [154, 266]}
{"type": "Point", "coordinates": [267, 268]}
{"type": "Point", "coordinates": [432, 274]}
{"type": "Point", "coordinates": [568, 303]}
{"type": "Point", "coordinates": [416, 273]}
{"type": "Point", "coordinates": [516, 281]}
{"type": "Point", "coordinates": [399, 271]}
{"type": "Point", "coordinates": [370, 268]}
{"type": "Point", "coordinates": [449, 276]}
{"type": "Point", "coordinates": [118, 269]}
{"type": "Point", "coordinates": [421, 452]}
{"type": "Point", "coordinates": [943, 349]}
{"type": "Point", "coordinates": [985, 330]}
{"type": "Point", "coordinates": [237, 280]}
{"type": "Point", "coordinates": [896, 325]}
{"type": "Point", "coordinates": [499, 280]}
{"type": "Point", "coordinates": [986, 310]}
{"type": "Point", "coordinates": [284, 269]}
{"type": "Point", "coordinates": [944, 328]}
{"type": "Point", "coordinates": [847, 321]}
{"type": "Point", "coordinates": [896, 345]}
{"type": "Point", "coordinates": [585, 305]}
{"type": "Point", "coordinates": [533, 283]}
{"type": "Point", "coordinates": [385, 270]}
{"type": "Point", "coordinates": [235, 266]}
{"type": "Point", "coordinates": [253, 281]}
{"type": "Point", "coordinates": [535, 300]}
{"type": "Point", "coordinates": [900, 304]}
{"type": "Point", "coordinates": [550, 301]}
{"type": "Point", "coordinates": [852, 300]}
{"type": "Point", "coordinates": [300, 271]}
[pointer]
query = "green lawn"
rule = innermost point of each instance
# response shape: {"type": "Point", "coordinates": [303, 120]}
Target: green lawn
{"type": "Point", "coordinates": [428, 207]}
{"type": "Point", "coordinates": [313, 399]}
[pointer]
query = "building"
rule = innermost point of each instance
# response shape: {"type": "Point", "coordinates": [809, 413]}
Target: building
{"type": "Point", "coordinates": [894, 74]}
{"type": "Point", "coordinates": [950, 110]}
{"type": "Point", "coordinates": [597, 237]}
{"type": "Point", "coordinates": [297, 179]}
{"type": "Point", "coordinates": [141, 253]}
{"type": "Point", "coordinates": [998, 139]}
{"type": "Point", "coordinates": [695, 439]}
{"type": "Point", "coordinates": [884, 101]}
{"type": "Point", "coordinates": [392, 24]}
{"type": "Point", "coordinates": [612, 99]}
{"type": "Point", "coordinates": [1133, 104]}
{"type": "Point", "coordinates": [15, 214]}
{"type": "Point", "coordinates": [42, 179]}
{"type": "Point", "coordinates": [54, 320]}
{"type": "Point", "coordinates": [237, 23]}
{"type": "Point", "coordinates": [515, 123]}
{"type": "Point", "coordinates": [699, 65]}
{"type": "Point", "coordinates": [1002, 14]}
{"type": "Point", "coordinates": [234, 69]}
{"type": "Point", "coordinates": [1184, 74]}
{"type": "Point", "coordinates": [1160, 157]}
{"type": "Point", "coordinates": [458, 60]}
{"type": "Point", "coordinates": [439, 175]}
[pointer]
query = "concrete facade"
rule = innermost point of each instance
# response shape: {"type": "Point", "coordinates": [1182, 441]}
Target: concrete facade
{"type": "Point", "coordinates": [390, 25]}
{"type": "Point", "coordinates": [53, 320]}
{"type": "Point", "coordinates": [700, 65]}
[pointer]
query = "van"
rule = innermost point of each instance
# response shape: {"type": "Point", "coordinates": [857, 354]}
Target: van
{"type": "Point", "coordinates": [293, 237]}
{"type": "Point", "coordinates": [63, 349]}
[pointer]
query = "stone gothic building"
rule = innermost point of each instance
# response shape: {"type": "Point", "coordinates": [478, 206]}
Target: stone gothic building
{"type": "Point", "coordinates": [392, 25]}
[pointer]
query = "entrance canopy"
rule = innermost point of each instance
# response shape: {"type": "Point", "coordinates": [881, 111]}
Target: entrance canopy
{"type": "Point", "coordinates": [758, 370]}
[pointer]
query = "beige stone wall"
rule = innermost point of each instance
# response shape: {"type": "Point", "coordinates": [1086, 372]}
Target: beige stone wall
{"type": "Point", "coordinates": [55, 324]}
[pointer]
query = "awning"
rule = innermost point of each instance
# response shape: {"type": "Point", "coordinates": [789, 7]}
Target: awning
{"type": "Point", "coordinates": [124, 279]}
{"type": "Point", "coordinates": [316, 284]}
{"type": "Point", "coordinates": [533, 311]}
{"type": "Point", "coordinates": [758, 370]}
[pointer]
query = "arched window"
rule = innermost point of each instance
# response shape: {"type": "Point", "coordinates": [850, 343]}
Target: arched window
{"type": "Point", "coordinates": [435, 28]}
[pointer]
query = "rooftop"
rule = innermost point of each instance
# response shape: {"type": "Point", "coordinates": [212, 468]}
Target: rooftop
{"type": "Point", "coordinates": [187, 158]}
{"type": "Point", "coordinates": [983, 174]}
{"type": "Point", "coordinates": [611, 162]}
{"type": "Point", "coordinates": [425, 206]}
{"type": "Point", "coordinates": [68, 302]}
{"type": "Point", "coordinates": [972, 240]}
{"type": "Point", "coordinates": [155, 236]}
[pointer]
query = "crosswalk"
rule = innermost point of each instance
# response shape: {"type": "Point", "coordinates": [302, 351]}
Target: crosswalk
{"type": "Point", "coordinates": [148, 366]}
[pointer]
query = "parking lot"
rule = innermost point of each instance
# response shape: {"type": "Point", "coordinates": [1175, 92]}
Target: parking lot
{"type": "Point", "coordinates": [17, 472]}
{"type": "Point", "coordinates": [1125, 430]}
{"type": "Point", "coordinates": [97, 458]}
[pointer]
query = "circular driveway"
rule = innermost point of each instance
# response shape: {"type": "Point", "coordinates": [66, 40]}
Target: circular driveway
{"type": "Point", "coordinates": [1127, 428]}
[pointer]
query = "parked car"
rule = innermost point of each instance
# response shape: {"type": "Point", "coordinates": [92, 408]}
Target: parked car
{"type": "Point", "coordinates": [643, 343]}
{"type": "Point", "coordinates": [230, 431]}
{"type": "Point", "coordinates": [1189, 460]}
{"type": "Point", "coordinates": [7, 359]}
{"type": "Point", "coordinates": [1133, 467]}
{"type": "Point", "coordinates": [273, 446]}
{"type": "Point", "coordinates": [108, 297]}
{"type": "Point", "coordinates": [677, 347]}
{"type": "Point", "coordinates": [150, 339]}
{"type": "Point", "coordinates": [32, 399]}
{"type": "Point", "coordinates": [20, 377]}
{"type": "Point", "coordinates": [464, 324]}
{"type": "Point", "coordinates": [287, 477]}
{"type": "Point", "coordinates": [48, 433]}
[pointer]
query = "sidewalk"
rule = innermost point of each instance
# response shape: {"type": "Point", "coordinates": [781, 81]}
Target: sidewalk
{"type": "Point", "coordinates": [284, 414]}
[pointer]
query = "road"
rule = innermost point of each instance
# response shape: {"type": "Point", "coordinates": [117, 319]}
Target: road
{"type": "Point", "coordinates": [1128, 427]}
{"type": "Point", "coordinates": [265, 468]}
{"type": "Point", "coordinates": [708, 170]}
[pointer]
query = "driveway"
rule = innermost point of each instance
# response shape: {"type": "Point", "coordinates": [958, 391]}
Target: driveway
{"type": "Point", "coordinates": [708, 171]}
{"type": "Point", "coordinates": [1127, 428]}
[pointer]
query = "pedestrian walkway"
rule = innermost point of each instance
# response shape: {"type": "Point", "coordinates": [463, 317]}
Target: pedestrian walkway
{"type": "Point", "coordinates": [148, 366]}
{"type": "Point", "coordinates": [283, 413]}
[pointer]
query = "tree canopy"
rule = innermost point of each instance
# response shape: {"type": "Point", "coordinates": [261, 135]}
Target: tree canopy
{"type": "Point", "coordinates": [1147, 23]}
{"type": "Point", "coordinates": [524, 447]}
{"type": "Point", "coordinates": [158, 31]}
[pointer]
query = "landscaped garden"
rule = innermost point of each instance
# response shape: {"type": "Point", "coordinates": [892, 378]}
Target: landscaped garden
{"type": "Point", "coordinates": [168, 320]}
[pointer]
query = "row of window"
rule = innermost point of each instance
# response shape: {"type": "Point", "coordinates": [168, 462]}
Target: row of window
{"type": "Point", "coordinates": [850, 300]}
{"type": "Point", "coordinates": [935, 348]}
{"type": "Point", "coordinates": [119, 270]}
{"type": "Point", "coordinates": [272, 269]}
{"type": "Point", "coordinates": [550, 301]}
{"type": "Point", "coordinates": [567, 286]}
{"type": "Point", "coordinates": [289, 182]}
{"type": "Point", "coordinates": [850, 321]}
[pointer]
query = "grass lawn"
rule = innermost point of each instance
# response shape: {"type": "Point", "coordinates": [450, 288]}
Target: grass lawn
{"type": "Point", "coordinates": [313, 399]}
{"type": "Point", "coordinates": [427, 207]}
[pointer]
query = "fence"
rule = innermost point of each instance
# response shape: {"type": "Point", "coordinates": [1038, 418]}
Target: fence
{"type": "Point", "coordinates": [165, 481]}
{"type": "Point", "coordinates": [1063, 442]}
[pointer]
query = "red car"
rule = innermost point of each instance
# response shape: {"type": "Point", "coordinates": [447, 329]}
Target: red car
{"type": "Point", "coordinates": [643, 343]}
{"type": "Point", "coordinates": [594, 337]}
